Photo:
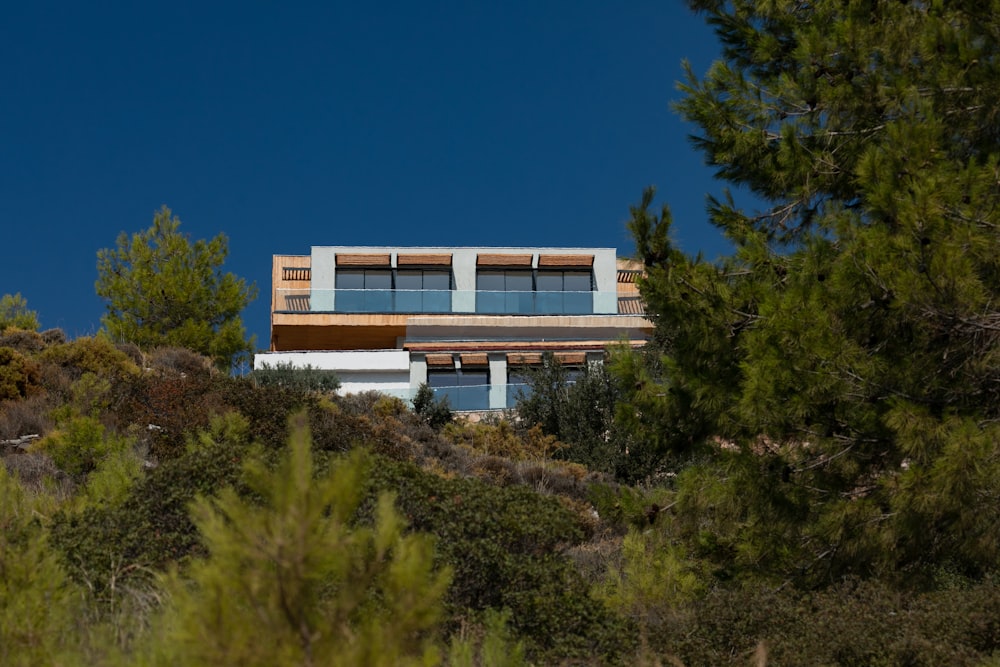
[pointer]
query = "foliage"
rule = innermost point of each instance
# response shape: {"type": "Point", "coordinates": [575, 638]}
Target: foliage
{"type": "Point", "coordinates": [506, 548]}
{"type": "Point", "coordinates": [436, 412]}
{"type": "Point", "coordinates": [581, 414]}
{"type": "Point", "coordinates": [38, 603]}
{"type": "Point", "coordinates": [291, 581]}
{"type": "Point", "coordinates": [851, 623]}
{"type": "Point", "coordinates": [14, 313]}
{"type": "Point", "coordinates": [96, 354]}
{"type": "Point", "coordinates": [19, 375]}
{"type": "Point", "coordinates": [164, 290]}
{"type": "Point", "coordinates": [79, 443]}
{"type": "Point", "coordinates": [305, 378]}
{"type": "Point", "coordinates": [837, 375]}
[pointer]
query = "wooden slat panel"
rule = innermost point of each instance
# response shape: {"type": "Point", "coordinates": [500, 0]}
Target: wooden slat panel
{"type": "Point", "coordinates": [484, 259]}
{"type": "Point", "coordinates": [631, 306]}
{"type": "Point", "coordinates": [363, 260]}
{"type": "Point", "coordinates": [579, 261]}
{"type": "Point", "coordinates": [571, 358]}
{"type": "Point", "coordinates": [439, 360]}
{"type": "Point", "coordinates": [625, 276]}
{"type": "Point", "coordinates": [474, 359]}
{"type": "Point", "coordinates": [424, 260]}
{"type": "Point", "coordinates": [296, 273]}
{"type": "Point", "coordinates": [524, 358]}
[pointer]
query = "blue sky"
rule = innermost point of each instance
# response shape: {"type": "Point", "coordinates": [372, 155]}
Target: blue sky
{"type": "Point", "coordinates": [287, 125]}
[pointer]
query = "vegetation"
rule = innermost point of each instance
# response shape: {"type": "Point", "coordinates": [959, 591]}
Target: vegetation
{"type": "Point", "coordinates": [163, 290]}
{"type": "Point", "coordinates": [286, 374]}
{"type": "Point", "coordinates": [801, 468]}
{"type": "Point", "coordinates": [14, 313]}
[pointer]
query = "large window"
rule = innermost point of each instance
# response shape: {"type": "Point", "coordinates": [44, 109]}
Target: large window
{"type": "Point", "coordinates": [386, 291]}
{"type": "Point", "coordinates": [423, 291]}
{"type": "Point", "coordinates": [465, 388]}
{"type": "Point", "coordinates": [364, 290]}
{"type": "Point", "coordinates": [567, 292]}
{"type": "Point", "coordinates": [525, 292]}
{"type": "Point", "coordinates": [504, 291]}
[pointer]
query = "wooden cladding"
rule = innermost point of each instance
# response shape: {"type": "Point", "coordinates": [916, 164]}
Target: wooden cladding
{"type": "Point", "coordinates": [628, 276]}
{"type": "Point", "coordinates": [566, 261]}
{"type": "Point", "coordinates": [483, 259]}
{"type": "Point", "coordinates": [296, 273]}
{"type": "Point", "coordinates": [535, 358]}
{"type": "Point", "coordinates": [571, 358]}
{"type": "Point", "coordinates": [524, 358]}
{"type": "Point", "coordinates": [363, 260]}
{"type": "Point", "coordinates": [474, 359]}
{"type": "Point", "coordinates": [440, 360]}
{"type": "Point", "coordinates": [443, 259]}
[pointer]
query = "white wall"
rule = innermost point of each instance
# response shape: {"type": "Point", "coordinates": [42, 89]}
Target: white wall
{"type": "Point", "coordinates": [387, 371]}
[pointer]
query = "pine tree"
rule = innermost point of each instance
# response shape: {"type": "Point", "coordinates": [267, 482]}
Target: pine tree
{"type": "Point", "coordinates": [842, 366]}
{"type": "Point", "coordinates": [164, 290]}
{"type": "Point", "coordinates": [291, 580]}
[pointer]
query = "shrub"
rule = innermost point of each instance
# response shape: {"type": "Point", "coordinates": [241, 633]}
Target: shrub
{"type": "Point", "coordinates": [96, 354]}
{"type": "Point", "coordinates": [288, 375]}
{"type": "Point", "coordinates": [53, 337]}
{"type": "Point", "coordinates": [19, 375]}
{"type": "Point", "coordinates": [179, 360]}
{"type": "Point", "coordinates": [436, 412]}
{"type": "Point", "coordinates": [79, 443]}
{"type": "Point", "coordinates": [506, 547]}
{"type": "Point", "coordinates": [22, 340]}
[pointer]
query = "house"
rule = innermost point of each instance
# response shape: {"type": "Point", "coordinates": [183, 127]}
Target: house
{"type": "Point", "coordinates": [467, 321]}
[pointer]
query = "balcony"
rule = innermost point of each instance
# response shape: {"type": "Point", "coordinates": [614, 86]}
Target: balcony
{"type": "Point", "coordinates": [481, 302]}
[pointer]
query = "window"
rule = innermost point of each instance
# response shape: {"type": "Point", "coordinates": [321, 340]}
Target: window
{"type": "Point", "coordinates": [520, 291]}
{"type": "Point", "coordinates": [505, 291]}
{"type": "Point", "coordinates": [364, 290]}
{"type": "Point", "coordinates": [384, 291]}
{"type": "Point", "coordinates": [567, 292]}
{"type": "Point", "coordinates": [423, 291]}
{"type": "Point", "coordinates": [465, 388]}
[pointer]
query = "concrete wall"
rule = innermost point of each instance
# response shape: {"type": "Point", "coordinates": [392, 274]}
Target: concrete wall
{"type": "Point", "coordinates": [387, 371]}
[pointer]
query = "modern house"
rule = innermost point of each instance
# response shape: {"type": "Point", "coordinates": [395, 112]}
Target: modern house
{"type": "Point", "coordinates": [467, 321]}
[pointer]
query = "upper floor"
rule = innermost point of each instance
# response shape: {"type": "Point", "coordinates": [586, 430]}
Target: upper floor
{"type": "Point", "coordinates": [351, 297]}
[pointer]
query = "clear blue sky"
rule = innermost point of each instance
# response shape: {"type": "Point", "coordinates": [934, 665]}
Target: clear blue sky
{"type": "Point", "coordinates": [287, 125]}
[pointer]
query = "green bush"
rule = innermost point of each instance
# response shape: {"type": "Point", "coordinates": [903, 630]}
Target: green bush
{"type": "Point", "coordinates": [435, 412]}
{"type": "Point", "coordinates": [290, 376]}
{"type": "Point", "coordinates": [506, 546]}
{"type": "Point", "coordinates": [95, 354]}
{"type": "Point", "coordinates": [19, 375]}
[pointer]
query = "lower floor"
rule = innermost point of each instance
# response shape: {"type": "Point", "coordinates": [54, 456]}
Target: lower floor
{"type": "Point", "coordinates": [472, 379]}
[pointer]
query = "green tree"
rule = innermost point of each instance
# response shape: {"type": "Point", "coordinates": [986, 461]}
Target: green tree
{"type": "Point", "coordinates": [291, 580]}
{"type": "Point", "coordinates": [14, 313]}
{"type": "Point", "coordinates": [39, 605]}
{"type": "Point", "coordinates": [842, 367]}
{"type": "Point", "coordinates": [164, 290]}
{"type": "Point", "coordinates": [580, 412]}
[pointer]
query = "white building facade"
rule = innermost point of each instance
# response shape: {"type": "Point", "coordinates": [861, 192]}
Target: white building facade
{"type": "Point", "coordinates": [466, 321]}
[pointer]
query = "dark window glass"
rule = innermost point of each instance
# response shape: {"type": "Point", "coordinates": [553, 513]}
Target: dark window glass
{"type": "Point", "coordinates": [577, 281]}
{"type": "Point", "coordinates": [409, 280]}
{"type": "Point", "coordinates": [350, 280]}
{"type": "Point", "coordinates": [518, 281]}
{"type": "Point", "coordinates": [378, 280]}
{"type": "Point", "coordinates": [437, 280]}
{"type": "Point", "coordinates": [549, 281]}
{"type": "Point", "coordinates": [490, 280]}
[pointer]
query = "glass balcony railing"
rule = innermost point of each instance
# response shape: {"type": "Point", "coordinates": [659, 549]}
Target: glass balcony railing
{"type": "Point", "coordinates": [482, 302]}
{"type": "Point", "coordinates": [467, 397]}
{"type": "Point", "coordinates": [534, 303]}
{"type": "Point", "coordinates": [392, 301]}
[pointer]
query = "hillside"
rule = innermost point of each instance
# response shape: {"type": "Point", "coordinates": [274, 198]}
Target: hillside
{"type": "Point", "coordinates": [157, 489]}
